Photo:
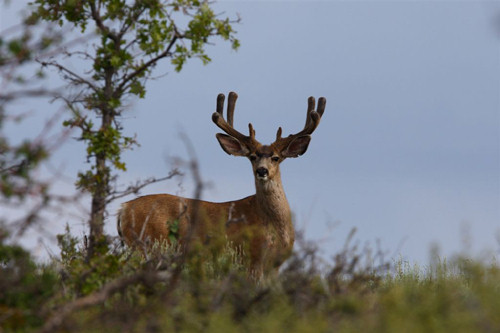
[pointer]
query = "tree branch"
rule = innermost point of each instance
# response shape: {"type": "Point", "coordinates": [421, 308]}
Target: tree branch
{"type": "Point", "coordinates": [134, 189]}
{"type": "Point", "coordinates": [98, 21]}
{"type": "Point", "coordinates": [99, 297]}
{"type": "Point", "coordinates": [146, 65]}
{"type": "Point", "coordinates": [132, 21]}
{"type": "Point", "coordinates": [26, 93]}
{"type": "Point", "coordinates": [75, 78]}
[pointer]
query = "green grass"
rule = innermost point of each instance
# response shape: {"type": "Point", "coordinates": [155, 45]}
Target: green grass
{"type": "Point", "coordinates": [209, 291]}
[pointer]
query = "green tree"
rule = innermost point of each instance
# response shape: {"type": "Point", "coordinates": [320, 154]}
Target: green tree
{"type": "Point", "coordinates": [131, 37]}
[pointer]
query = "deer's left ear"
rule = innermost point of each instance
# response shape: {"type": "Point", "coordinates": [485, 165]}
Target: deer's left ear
{"type": "Point", "coordinates": [297, 147]}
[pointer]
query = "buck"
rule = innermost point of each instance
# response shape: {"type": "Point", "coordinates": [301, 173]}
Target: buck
{"type": "Point", "coordinates": [260, 224]}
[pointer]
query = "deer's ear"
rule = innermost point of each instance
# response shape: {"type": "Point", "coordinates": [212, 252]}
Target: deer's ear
{"type": "Point", "coordinates": [297, 147]}
{"type": "Point", "coordinates": [231, 145]}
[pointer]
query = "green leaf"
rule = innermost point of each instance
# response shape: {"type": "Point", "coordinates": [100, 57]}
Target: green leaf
{"type": "Point", "coordinates": [116, 61]}
{"type": "Point", "coordinates": [138, 89]}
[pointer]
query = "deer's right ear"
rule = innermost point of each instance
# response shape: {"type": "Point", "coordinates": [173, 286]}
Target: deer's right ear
{"type": "Point", "coordinates": [297, 147]}
{"type": "Point", "coordinates": [231, 145]}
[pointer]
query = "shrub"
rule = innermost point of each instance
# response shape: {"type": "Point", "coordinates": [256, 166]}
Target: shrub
{"type": "Point", "coordinates": [164, 289]}
{"type": "Point", "coordinates": [25, 287]}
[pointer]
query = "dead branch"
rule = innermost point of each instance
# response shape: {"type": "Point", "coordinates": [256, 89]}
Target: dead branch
{"type": "Point", "coordinates": [41, 92]}
{"type": "Point", "coordinates": [147, 278]}
{"type": "Point", "coordinates": [134, 189]}
{"type": "Point", "coordinates": [181, 258]}
{"type": "Point", "coordinates": [72, 76]}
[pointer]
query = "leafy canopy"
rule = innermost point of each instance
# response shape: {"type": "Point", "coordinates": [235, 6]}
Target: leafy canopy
{"type": "Point", "coordinates": [132, 37]}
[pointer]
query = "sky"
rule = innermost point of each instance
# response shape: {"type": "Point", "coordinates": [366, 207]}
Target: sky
{"type": "Point", "coordinates": [407, 152]}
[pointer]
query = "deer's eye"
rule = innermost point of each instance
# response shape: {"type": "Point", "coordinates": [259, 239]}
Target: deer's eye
{"type": "Point", "coordinates": [253, 157]}
{"type": "Point", "coordinates": [275, 159]}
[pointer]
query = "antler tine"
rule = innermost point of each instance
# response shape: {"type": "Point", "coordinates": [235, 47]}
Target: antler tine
{"type": "Point", "coordinates": [311, 102]}
{"type": "Point", "coordinates": [220, 104]}
{"type": "Point", "coordinates": [313, 117]}
{"type": "Point", "coordinates": [251, 131]}
{"type": "Point", "coordinates": [321, 105]}
{"type": "Point", "coordinates": [227, 126]}
{"type": "Point", "coordinates": [312, 121]}
{"type": "Point", "coordinates": [278, 134]}
{"type": "Point", "coordinates": [231, 103]}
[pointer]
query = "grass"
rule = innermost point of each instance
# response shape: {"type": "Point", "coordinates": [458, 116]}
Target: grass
{"type": "Point", "coordinates": [125, 291]}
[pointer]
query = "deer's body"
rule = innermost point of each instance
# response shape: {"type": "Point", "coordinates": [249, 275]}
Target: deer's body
{"type": "Point", "coordinates": [260, 225]}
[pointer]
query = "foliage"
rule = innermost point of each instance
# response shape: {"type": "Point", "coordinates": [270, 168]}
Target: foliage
{"type": "Point", "coordinates": [123, 42]}
{"type": "Point", "coordinates": [20, 46]}
{"type": "Point", "coordinates": [162, 289]}
{"type": "Point", "coordinates": [26, 286]}
{"type": "Point", "coordinates": [168, 288]}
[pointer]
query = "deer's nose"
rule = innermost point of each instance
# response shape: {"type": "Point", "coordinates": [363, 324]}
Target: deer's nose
{"type": "Point", "coordinates": [262, 172]}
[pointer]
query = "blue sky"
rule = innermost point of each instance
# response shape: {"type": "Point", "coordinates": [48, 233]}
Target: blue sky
{"type": "Point", "coordinates": [408, 151]}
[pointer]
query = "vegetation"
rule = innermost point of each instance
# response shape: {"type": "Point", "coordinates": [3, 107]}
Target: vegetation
{"type": "Point", "coordinates": [162, 290]}
{"type": "Point", "coordinates": [124, 42]}
{"type": "Point", "coordinates": [134, 36]}
{"type": "Point", "coordinates": [99, 285]}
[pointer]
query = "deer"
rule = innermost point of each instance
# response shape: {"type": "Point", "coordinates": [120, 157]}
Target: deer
{"type": "Point", "coordinates": [260, 224]}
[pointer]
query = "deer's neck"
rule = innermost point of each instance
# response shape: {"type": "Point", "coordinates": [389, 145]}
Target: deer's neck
{"type": "Point", "coordinates": [273, 207]}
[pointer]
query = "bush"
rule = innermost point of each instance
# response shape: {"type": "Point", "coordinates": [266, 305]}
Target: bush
{"type": "Point", "coordinates": [167, 290]}
{"type": "Point", "coordinates": [25, 287]}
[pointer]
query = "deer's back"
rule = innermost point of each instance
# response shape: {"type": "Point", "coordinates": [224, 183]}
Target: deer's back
{"type": "Point", "coordinates": [163, 216]}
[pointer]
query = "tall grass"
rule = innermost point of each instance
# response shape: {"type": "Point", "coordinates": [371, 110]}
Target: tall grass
{"type": "Point", "coordinates": [210, 291]}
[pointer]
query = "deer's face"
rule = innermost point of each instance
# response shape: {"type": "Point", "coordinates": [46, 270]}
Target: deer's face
{"type": "Point", "coordinates": [265, 159]}
{"type": "Point", "coordinates": [265, 163]}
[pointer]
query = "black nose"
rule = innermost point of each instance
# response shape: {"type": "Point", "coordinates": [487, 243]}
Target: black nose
{"type": "Point", "coordinates": [262, 172]}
